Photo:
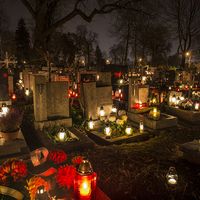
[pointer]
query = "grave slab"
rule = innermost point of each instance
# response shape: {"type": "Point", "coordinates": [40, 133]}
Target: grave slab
{"type": "Point", "coordinates": [165, 121]}
{"type": "Point", "coordinates": [186, 115]}
{"type": "Point", "coordinates": [100, 138]}
{"type": "Point", "coordinates": [191, 151]}
{"type": "Point", "coordinates": [13, 147]}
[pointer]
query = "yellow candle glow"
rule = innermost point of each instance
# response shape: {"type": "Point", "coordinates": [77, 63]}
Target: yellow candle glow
{"type": "Point", "coordinates": [85, 188]}
{"type": "Point", "coordinates": [91, 125]}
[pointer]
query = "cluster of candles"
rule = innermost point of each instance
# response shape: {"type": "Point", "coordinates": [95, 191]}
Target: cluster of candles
{"type": "Point", "coordinates": [72, 94]}
{"type": "Point", "coordinates": [107, 129]}
{"type": "Point", "coordinates": [176, 100]}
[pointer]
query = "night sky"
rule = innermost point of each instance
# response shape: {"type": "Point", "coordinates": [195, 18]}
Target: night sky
{"type": "Point", "coordinates": [100, 24]}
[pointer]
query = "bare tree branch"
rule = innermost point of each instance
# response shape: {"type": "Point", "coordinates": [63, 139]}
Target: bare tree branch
{"type": "Point", "coordinates": [29, 7]}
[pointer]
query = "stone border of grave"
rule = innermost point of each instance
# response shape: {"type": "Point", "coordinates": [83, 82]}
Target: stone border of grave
{"type": "Point", "coordinates": [192, 117]}
{"type": "Point", "coordinates": [100, 139]}
{"type": "Point", "coordinates": [154, 124]}
{"type": "Point", "coordinates": [83, 143]}
{"type": "Point", "coordinates": [191, 151]}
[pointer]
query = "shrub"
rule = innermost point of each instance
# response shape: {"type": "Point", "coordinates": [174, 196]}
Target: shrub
{"type": "Point", "coordinates": [12, 121]}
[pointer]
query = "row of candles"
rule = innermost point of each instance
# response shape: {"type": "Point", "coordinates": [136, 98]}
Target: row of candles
{"type": "Point", "coordinates": [108, 129]}
{"type": "Point", "coordinates": [176, 100]}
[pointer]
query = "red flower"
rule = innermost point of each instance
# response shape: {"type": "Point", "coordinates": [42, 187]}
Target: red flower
{"type": "Point", "coordinates": [13, 168]}
{"type": "Point", "coordinates": [77, 160]}
{"type": "Point", "coordinates": [65, 176]}
{"type": "Point", "coordinates": [57, 156]}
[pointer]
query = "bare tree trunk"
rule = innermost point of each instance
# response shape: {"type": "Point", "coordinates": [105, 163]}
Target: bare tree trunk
{"type": "Point", "coordinates": [127, 45]}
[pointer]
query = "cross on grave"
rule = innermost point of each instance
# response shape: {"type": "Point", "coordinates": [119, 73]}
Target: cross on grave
{"type": "Point", "coordinates": [8, 60]}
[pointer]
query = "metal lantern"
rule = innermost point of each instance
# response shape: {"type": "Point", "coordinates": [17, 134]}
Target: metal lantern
{"type": "Point", "coordinates": [85, 182]}
{"type": "Point", "coordinates": [4, 109]}
{"type": "Point", "coordinates": [128, 130]}
{"type": "Point", "coordinates": [141, 127]}
{"type": "Point", "coordinates": [155, 112]}
{"type": "Point", "coordinates": [107, 131]}
{"type": "Point", "coordinates": [173, 100]}
{"type": "Point", "coordinates": [114, 109]}
{"type": "Point", "coordinates": [196, 106]}
{"type": "Point", "coordinates": [91, 124]}
{"type": "Point", "coordinates": [101, 112]}
{"type": "Point", "coordinates": [172, 177]}
{"type": "Point", "coordinates": [62, 134]}
{"type": "Point", "coordinates": [27, 92]}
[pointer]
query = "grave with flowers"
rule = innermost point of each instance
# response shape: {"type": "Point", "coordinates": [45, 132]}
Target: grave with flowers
{"type": "Point", "coordinates": [11, 138]}
{"type": "Point", "coordinates": [141, 109]}
{"type": "Point", "coordinates": [114, 129]}
{"type": "Point", "coordinates": [185, 106]}
{"type": "Point", "coordinates": [49, 175]}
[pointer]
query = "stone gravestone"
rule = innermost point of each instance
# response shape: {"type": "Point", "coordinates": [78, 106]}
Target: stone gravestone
{"type": "Point", "coordinates": [4, 96]}
{"type": "Point", "coordinates": [187, 77]}
{"type": "Point", "coordinates": [10, 85]}
{"type": "Point", "coordinates": [94, 96]}
{"type": "Point", "coordinates": [51, 104]}
{"type": "Point", "coordinates": [137, 93]}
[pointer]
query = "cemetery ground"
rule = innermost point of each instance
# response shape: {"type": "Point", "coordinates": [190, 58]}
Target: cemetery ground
{"type": "Point", "coordinates": [138, 170]}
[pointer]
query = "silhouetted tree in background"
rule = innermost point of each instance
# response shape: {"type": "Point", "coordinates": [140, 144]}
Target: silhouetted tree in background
{"type": "Point", "coordinates": [22, 40]}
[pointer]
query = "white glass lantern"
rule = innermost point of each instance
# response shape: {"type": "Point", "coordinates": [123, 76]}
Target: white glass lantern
{"type": "Point", "coordinates": [173, 100]}
{"type": "Point", "coordinates": [121, 81]}
{"type": "Point", "coordinates": [91, 124]}
{"type": "Point", "coordinates": [141, 127]}
{"type": "Point", "coordinates": [170, 87]}
{"type": "Point", "coordinates": [128, 130]}
{"type": "Point", "coordinates": [107, 131]}
{"type": "Point", "coordinates": [182, 98]}
{"type": "Point", "coordinates": [62, 135]}
{"type": "Point", "coordinates": [172, 177]}
{"type": "Point", "coordinates": [4, 109]}
{"type": "Point", "coordinates": [196, 106]}
{"type": "Point", "coordinates": [114, 109]}
{"type": "Point", "coordinates": [27, 92]}
{"type": "Point", "coordinates": [101, 112]}
{"type": "Point", "coordinates": [98, 77]}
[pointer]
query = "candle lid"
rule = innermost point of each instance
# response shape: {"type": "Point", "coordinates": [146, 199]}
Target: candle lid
{"type": "Point", "coordinates": [85, 167]}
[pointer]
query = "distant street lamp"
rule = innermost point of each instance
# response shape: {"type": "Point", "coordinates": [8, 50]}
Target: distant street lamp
{"type": "Point", "coordinates": [188, 55]}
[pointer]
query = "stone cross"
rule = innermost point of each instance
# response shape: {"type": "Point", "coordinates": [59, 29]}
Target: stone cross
{"type": "Point", "coordinates": [8, 61]}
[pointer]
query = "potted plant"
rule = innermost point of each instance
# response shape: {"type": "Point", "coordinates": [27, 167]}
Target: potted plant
{"type": "Point", "coordinates": [10, 124]}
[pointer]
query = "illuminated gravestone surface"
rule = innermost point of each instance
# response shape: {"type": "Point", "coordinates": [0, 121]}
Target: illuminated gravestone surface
{"type": "Point", "coordinates": [51, 104]}
{"type": "Point", "coordinates": [93, 96]}
{"type": "Point", "coordinates": [10, 85]}
{"type": "Point", "coordinates": [186, 77]}
{"type": "Point", "coordinates": [137, 93]}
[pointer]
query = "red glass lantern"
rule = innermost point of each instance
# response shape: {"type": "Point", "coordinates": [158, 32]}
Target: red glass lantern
{"type": "Point", "coordinates": [139, 105]}
{"type": "Point", "coordinates": [85, 182]}
{"type": "Point", "coordinates": [14, 97]}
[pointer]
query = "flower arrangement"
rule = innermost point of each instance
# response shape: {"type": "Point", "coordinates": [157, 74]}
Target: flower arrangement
{"type": "Point", "coordinates": [57, 156]}
{"type": "Point", "coordinates": [65, 176]}
{"type": "Point", "coordinates": [52, 133]}
{"type": "Point", "coordinates": [77, 160]}
{"type": "Point", "coordinates": [12, 170]}
{"type": "Point", "coordinates": [33, 184]}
